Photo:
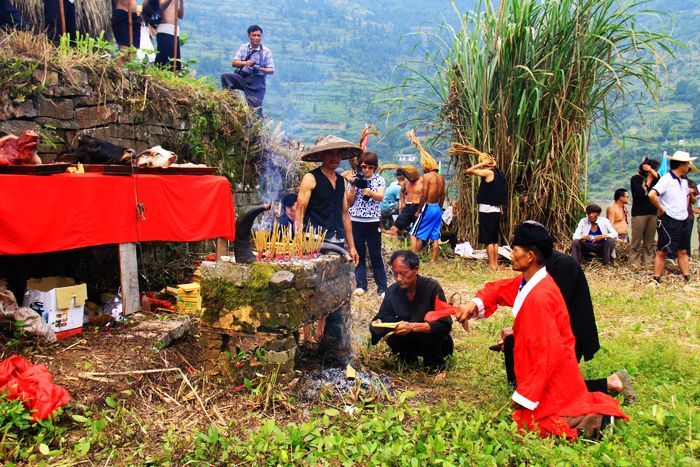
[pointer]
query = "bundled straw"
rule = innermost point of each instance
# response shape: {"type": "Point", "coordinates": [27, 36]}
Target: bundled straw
{"type": "Point", "coordinates": [92, 16]}
{"type": "Point", "coordinates": [427, 161]}
{"type": "Point", "coordinates": [364, 139]}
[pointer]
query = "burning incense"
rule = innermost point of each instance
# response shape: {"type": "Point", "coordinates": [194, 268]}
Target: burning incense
{"type": "Point", "coordinates": [280, 243]}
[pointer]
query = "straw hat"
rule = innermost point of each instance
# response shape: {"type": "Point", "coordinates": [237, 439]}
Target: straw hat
{"type": "Point", "coordinates": [330, 143]}
{"type": "Point", "coordinates": [681, 156]}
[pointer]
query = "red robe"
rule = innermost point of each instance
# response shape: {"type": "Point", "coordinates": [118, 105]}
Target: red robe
{"type": "Point", "coordinates": [550, 384]}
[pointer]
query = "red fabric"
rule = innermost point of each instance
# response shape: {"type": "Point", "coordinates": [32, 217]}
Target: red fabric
{"type": "Point", "coordinates": [546, 367]}
{"type": "Point", "coordinates": [440, 310]}
{"type": "Point", "coordinates": [60, 212]}
{"type": "Point", "coordinates": [33, 385]}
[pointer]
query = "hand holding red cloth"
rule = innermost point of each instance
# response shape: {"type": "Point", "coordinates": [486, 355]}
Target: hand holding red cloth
{"type": "Point", "coordinates": [440, 310]}
{"type": "Point", "coordinates": [33, 385]}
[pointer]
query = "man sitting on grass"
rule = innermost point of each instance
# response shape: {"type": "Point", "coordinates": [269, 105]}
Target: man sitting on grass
{"type": "Point", "coordinates": [551, 395]}
{"type": "Point", "coordinates": [594, 235]}
{"type": "Point", "coordinates": [406, 302]}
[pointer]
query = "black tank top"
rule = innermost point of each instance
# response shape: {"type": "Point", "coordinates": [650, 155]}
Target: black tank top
{"type": "Point", "coordinates": [326, 205]}
{"type": "Point", "coordinates": [493, 193]}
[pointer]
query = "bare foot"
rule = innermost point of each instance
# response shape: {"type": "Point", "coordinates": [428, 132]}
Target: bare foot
{"type": "Point", "coordinates": [441, 376]}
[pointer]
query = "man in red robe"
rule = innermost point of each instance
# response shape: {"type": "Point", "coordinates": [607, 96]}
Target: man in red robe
{"type": "Point", "coordinates": [551, 395]}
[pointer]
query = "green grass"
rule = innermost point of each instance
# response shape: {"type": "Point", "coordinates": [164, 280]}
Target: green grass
{"type": "Point", "coordinates": [651, 331]}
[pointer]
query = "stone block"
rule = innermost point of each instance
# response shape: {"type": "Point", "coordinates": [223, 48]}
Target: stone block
{"type": "Point", "coordinates": [46, 77]}
{"type": "Point", "coordinates": [154, 130]}
{"type": "Point", "coordinates": [16, 127]}
{"type": "Point", "coordinates": [56, 123]}
{"type": "Point", "coordinates": [129, 132]}
{"type": "Point", "coordinates": [161, 333]}
{"type": "Point", "coordinates": [57, 108]}
{"type": "Point", "coordinates": [281, 279]}
{"type": "Point", "coordinates": [89, 100]}
{"type": "Point", "coordinates": [26, 109]}
{"type": "Point", "coordinates": [88, 117]}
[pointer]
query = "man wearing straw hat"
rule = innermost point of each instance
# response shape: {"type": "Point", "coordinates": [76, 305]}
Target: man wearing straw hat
{"type": "Point", "coordinates": [321, 201]}
{"type": "Point", "coordinates": [670, 196]}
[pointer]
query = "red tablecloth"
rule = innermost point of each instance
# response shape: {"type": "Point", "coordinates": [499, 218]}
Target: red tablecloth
{"type": "Point", "coordinates": [59, 212]}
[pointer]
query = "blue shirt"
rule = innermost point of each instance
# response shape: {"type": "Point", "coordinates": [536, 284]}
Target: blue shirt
{"type": "Point", "coordinates": [392, 195]}
{"type": "Point", "coordinates": [262, 56]}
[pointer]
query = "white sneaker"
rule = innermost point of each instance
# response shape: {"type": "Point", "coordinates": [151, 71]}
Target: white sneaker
{"type": "Point", "coordinates": [359, 291]}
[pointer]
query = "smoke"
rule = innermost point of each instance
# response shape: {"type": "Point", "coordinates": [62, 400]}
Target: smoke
{"type": "Point", "coordinates": [279, 173]}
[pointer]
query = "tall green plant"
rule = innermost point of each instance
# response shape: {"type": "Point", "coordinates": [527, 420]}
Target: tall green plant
{"type": "Point", "coordinates": [525, 82]}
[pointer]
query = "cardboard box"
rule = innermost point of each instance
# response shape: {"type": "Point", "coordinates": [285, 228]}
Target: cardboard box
{"type": "Point", "coordinates": [59, 300]}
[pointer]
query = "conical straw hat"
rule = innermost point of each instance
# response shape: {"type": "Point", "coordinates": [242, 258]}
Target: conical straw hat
{"type": "Point", "coordinates": [329, 143]}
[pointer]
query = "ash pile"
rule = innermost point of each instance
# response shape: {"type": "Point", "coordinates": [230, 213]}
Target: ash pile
{"type": "Point", "coordinates": [345, 384]}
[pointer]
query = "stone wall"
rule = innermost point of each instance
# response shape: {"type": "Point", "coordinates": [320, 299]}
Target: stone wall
{"type": "Point", "coordinates": [61, 111]}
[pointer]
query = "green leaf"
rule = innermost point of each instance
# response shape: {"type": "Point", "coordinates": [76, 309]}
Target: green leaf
{"type": "Point", "coordinates": [332, 412]}
{"type": "Point", "coordinates": [44, 449]}
{"type": "Point", "coordinates": [111, 402]}
{"type": "Point", "coordinates": [79, 418]}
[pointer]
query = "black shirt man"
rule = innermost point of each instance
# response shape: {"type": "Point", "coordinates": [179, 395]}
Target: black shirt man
{"type": "Point", "coordinates": [406, 302]}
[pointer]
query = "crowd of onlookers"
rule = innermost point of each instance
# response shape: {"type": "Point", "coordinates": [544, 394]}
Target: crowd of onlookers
{"type": "Point", "coordinates": [661, 223]}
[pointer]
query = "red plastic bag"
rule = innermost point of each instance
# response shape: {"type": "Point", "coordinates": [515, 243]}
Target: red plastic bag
{"type": "Point", "coordinates": [33, 385]}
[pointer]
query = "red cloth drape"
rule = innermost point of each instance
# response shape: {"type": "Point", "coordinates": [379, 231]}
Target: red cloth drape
{"type": "Point", "coordinates": [60, 212]}
{"type": "Point", "coordinates": [33, 385]}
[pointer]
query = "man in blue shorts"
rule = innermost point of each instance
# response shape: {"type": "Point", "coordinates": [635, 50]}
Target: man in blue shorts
{"type": "Point", "coordinates": [429, 214]}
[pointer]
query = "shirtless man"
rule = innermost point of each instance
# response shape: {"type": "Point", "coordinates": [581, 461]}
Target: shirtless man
{"type": "Point", "coordinates": [429, 215]}
{"type": "Point", "coordinates": [409, 200]}
{"type": "Point", "coordinates": [121, 9]}
{"type": "Point", "coordinates": [163, 15]}
{"type": "Point", "coordinates": [617, 213]}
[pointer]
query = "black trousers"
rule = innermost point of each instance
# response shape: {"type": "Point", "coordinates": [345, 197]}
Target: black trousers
{"type": "Point", "coordinates": [579, 248]}
{"type": "Point", "coordinates": [253, 86]}
{"type": "Point", "coordinates": [368, 237]}
{"type": "Point", "coordinates": [434, 348]}
{"type": "Point", "coordinates": [166, 48]}
{"type": "Point", "coordinates": [52, 14]}
{"type": "Point", "coordinates": [10, 17]}
{"type": "Point", "coordinates": [593, 385]}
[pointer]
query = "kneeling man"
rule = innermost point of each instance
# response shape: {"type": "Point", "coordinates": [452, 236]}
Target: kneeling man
{"type": "Point", "coordinates": [406, 302]}
{"type": "Point", "coordinates": [551, 395]}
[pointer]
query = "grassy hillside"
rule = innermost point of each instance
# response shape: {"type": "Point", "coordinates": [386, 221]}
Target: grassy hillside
{"type": "Point", "coordinates": [672, 124]}
{"type": "Point", "coordinates": [333, 57]}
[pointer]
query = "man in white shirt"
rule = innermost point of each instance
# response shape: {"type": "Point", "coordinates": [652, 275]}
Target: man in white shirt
{"type": "Point", "coordinates": [594, 235]}
{"type": "Point", "coordinates": [670, 195]}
